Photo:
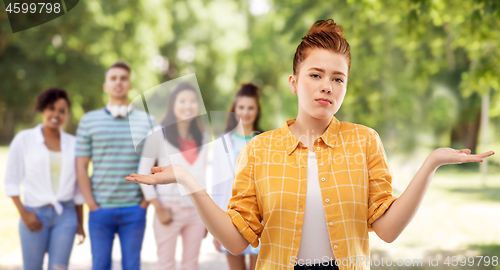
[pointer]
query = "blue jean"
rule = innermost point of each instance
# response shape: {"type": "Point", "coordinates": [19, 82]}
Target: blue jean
{"type": "Point", "coordinates": [248, 251]}
{"type": "Point", "coordinates": [56, 237]}
{"type": "Point", "coordinates": [129, 223]}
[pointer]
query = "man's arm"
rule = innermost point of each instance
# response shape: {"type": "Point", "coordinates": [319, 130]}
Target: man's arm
{"type": "Point", "coordinates": [82, 166]}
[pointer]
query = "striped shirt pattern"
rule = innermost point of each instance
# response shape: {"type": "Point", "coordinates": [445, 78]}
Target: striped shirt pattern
{"type": "Point", "coordinates": [269, 191]}
{"type": "Point", "coordinates": [108, 141]}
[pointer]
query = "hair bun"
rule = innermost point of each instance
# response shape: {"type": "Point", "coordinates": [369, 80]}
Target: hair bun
{"type": "Point", "coordinates": [328, 26]}
{"type": "Point", "coordinates": [323, 34]}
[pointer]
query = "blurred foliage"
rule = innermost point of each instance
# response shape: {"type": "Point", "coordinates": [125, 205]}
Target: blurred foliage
{"type": "Point", "coordinates": [417, 66]}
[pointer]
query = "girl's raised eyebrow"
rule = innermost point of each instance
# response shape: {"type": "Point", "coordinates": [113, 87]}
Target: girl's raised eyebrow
{"type": "Point", "coordinates": [317, 69]}
{"type": "Point", "coordinates": [322, 70]}
{"type": "Point", "coordinates": [340, 73]}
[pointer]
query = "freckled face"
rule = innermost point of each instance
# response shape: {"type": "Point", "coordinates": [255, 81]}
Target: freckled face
{"type": "Point", "coordinates": [320, 83]}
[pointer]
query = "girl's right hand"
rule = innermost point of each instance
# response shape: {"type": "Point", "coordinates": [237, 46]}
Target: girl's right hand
{"type": "Point", "coordinates": [164, 215]}
{"type": "Point", "coordinates": [161, 175]}
{"type": "Point", "coordinates": [30, 220]}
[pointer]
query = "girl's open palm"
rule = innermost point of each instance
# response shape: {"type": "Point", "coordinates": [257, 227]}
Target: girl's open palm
{"type": "Point", "coordinates": [161, 175]}
{"type": "Point", "coordinates": [443, 156]}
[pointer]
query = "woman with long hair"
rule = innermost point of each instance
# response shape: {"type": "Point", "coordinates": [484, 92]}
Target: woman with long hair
{"type": "Point", "coordinates": [175, 215]}
{"type": "Point", "coordinates": [311, 190]}
{"type": "Point", "coordinates": [42, 160]}
{"type": "Point", "coordinates": [245, 108]}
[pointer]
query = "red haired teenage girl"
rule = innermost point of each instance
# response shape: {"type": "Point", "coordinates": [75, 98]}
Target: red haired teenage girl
{"type": "Point", "coordinates": [319, 185]}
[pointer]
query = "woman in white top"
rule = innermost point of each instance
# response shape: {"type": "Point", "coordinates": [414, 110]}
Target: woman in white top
{"type": "Point", "coordinates": [246, 106]}
{"type": "Point", "coordinates": [42, 160]}
{"type": "Point", "coordinates": [180, 141]}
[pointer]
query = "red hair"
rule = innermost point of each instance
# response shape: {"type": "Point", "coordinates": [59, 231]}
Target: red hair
{"type": "Point", "coordinates": [324, 34]}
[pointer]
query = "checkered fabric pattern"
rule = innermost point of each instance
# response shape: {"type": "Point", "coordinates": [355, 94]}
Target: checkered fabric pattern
{"type": "Point", "coordinates": [269, 191]}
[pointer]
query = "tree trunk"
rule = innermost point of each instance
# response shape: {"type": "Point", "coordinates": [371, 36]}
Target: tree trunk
{"type": "Point", "coordinates": [485, 109]}
{"type": "Point", "coordinates": [465, 135]}
{"type": "Point", "coordinates": [7, 128]}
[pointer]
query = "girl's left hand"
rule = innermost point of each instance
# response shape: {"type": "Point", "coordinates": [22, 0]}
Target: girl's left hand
{"type": "Point", "coordinates": [443, 156]}
{"type": "Point", "coordinates": [81, 234]}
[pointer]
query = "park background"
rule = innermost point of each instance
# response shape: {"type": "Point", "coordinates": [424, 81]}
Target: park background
{"type": "Point", "coordinates": [424, 74]}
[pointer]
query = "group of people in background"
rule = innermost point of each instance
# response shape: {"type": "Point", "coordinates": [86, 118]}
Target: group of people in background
{"type": "Point", "coordinates": [52, 167]}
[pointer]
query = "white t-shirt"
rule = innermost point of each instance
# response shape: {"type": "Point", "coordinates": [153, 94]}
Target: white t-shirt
{"type": "Point", "coordinates": [315, 240]}
{"type": "Point", "coordinates": [55, 169]}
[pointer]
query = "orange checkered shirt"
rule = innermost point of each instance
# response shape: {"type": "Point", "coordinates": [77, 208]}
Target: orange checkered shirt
{"type": "Point", "coordinates": [269, 192]}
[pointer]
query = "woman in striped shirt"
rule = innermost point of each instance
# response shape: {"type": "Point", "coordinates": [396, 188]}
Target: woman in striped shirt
{"type": "Point", "coordinates": [318, 185]}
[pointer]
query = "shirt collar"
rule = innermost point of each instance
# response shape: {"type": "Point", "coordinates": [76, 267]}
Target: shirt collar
{"type": "Point", "coordinates": [329, 137]}
{"type": "Point", "coordinates": [40, 139]}
{"type": "Point", "coordinates": [38, 134]}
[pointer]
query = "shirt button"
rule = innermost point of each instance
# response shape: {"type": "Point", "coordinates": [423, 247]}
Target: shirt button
{"type": "Point", "coordinates": [323, 179]}
{"type": "Point", "coordinates": [319, 140]}
{"type": "Point", "coordinates": [321, 164]}
{"type": "Point", "coordinates": [330, 224]}
{"type": "Point", "coordinates": [335, 247]}
{"type": "Point", "coordinates": [327, 200]}
{"type": "Point", "coordinates": [318, 148]}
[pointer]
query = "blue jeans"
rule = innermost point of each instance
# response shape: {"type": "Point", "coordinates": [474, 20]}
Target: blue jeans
{"type": "Point", "coordinates": [129, 223]}
{"type": "Point", "coordinates": [248, 251]}
{"type": "Point", "coordinates": [56, 237]}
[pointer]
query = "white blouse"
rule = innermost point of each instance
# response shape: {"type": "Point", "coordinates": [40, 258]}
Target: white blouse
{"type": "Point", "coordinates": [223, 170]}
{"type": "Point", "coordinates": [158, 150]}
{"type": "Point", "coordinates": [29, 165]}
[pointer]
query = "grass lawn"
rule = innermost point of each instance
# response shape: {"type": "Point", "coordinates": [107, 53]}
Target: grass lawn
{"type": "Point", "coordinates": [458, 217]}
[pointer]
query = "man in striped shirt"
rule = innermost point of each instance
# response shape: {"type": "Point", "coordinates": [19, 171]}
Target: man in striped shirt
{"type": "Point", "coordinates": [116, 206]}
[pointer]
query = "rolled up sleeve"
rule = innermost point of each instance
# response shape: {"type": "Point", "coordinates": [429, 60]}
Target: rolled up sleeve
{"type": "Point", "coordinates": [15, 167]}
{"type": "Point", "coordinates": [380, 180]}
{"type": "Point", "coordinates": [243, 207]}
